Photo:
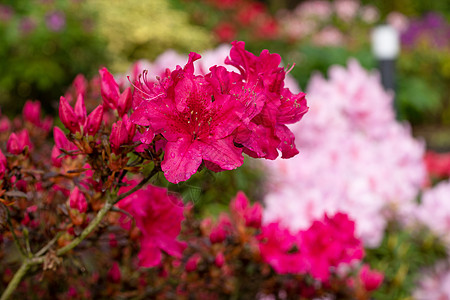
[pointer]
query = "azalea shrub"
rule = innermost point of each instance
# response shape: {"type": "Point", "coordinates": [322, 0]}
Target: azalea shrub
{"type": "Point", "coordinates": [84, 207]}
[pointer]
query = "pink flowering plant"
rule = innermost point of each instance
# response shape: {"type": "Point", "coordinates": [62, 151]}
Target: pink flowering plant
{"type": "Point", "coordinates": [89, 193]}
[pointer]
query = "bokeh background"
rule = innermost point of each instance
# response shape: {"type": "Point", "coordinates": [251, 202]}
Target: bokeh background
{"type": "Point", "coordinates": [399, 137]}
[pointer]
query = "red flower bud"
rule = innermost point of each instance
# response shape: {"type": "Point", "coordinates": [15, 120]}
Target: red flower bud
{"type": "Point", "coordinates": [80, 110]}
{"type": "Point", "coordinates": [114, 274]}
{"type": "Point", "coordinates": [94, 120]}
{"type": "Point", "coordinates": [191, 264]}
{"type": "Point", "coordinates": [77, 200]}
{"type": "Point", "coordinates": [253, 216]}
{"type": "Point", "coordinates": [109, 89]}
{"type": "Point", "coordinates": [371, 280]}
{"type": "Point", "coordinates": [118, 137]}
{"type": "Point", "coordinates": [17, 142]}
{"type": "Point", "coordinates": [32, 112]}
{"type": "Point", "coordinates": [219, 260]}
{"type": "Point", "coordinates": [68, 116]}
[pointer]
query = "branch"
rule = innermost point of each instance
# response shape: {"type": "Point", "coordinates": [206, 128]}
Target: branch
{"type": "Point", "coordinates": [16, 240]}
{"type": "Point", "coordinates": [138, 186]}
{"type": "Point", "coordinates": [39, 257]}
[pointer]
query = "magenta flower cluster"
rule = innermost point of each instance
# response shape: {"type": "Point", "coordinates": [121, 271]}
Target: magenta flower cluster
{"type": "Point", "coordinates": [214, 118]}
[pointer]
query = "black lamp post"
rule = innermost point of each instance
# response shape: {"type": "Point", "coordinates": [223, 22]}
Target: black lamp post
{"type": "Point", "coordinates": [385, 47]}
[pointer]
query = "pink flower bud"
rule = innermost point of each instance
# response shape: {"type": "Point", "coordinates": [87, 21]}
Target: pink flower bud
{"type": "Point", "coordinates": [118, 137]}
{"type": "Point", "coordinates": [94, 120]}
{"type": "Point", "coordinates": [218, 234]}
{"type": "Point", "coordinates": [32, 112]}
{"type": "Point", "coordinates": [219, 260]}
{"type": "Point", "coordinates": [191, 264]}
{"type": "Point", "coordinates": [253, 216]}
{"type": "Point", "coordinates": [68, 116]}
{"type": "Point", "coordinates": [80, 110]}
{"type": "Point", "coordinates": [371, 280]}
{"type": "Point", "coordinates": [5, 124]}
{"type": "Point", "coordinates": [80, 85]}
{"type": "Point", "coordinates": [3, 164]}
{"type": "Point", "coordinates": [124, 102]}
{"type": "Point", "coordinates": [17, 142]}
{"type": "Point", "coordinates": [114, 274]}
{"type": "Point", "coordinates": [109, 89]}
{"type": "Point", "coordinates": [239, 204]}
{"type": "Point", "coordinates": [77, 200]}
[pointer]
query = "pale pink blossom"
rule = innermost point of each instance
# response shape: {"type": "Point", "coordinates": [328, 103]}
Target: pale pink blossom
{"type": "Point", "coordinates": [355, 158]}
{"type": "Point", "coordinates": [434, 284]}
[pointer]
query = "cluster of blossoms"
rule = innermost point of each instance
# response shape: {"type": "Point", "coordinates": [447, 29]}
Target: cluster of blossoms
{"type": "Point", "coordinates": [231, 19]}
{"type": "Point", "coordinates": [324, 259]}
{"type": "Point", "coordinates": [349, 149]}
{"type": "Point", "coordinates": [214, 118]}
{"type": "Point", "coordinates": [325, 23]}
{"type": "Point", "coordinates": [92, 186]}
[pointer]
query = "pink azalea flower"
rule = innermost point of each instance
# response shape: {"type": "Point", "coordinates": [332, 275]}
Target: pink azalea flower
{"type": "Point", "coordinates": [17, 142]}
{"type": "Point", "coordinates": [196, 123]}
{"type": "Point", "coordinates": [273, 106]}
{"type": "Point", "coordinates": [281, 249]}
{"type": "Point", "coordinates": [158, 216]}
{"type": "Point", "coordinates": [329, 243]}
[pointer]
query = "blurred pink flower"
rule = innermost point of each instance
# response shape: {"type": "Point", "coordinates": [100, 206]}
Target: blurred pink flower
{"type": "Point", "coordinates": [17, 142]}
{"type": "Point", "coordinates": [355, 158]}
{"type": "Point", "coordinates": [346, 9]}
{"type": "Point", "coordinates": [158, 215]}
{"type": "Point", "coordinates": [434, 210]}
{"type": "Point", "coordinates": [328, 36]}
{"type": "Point", "coordinates": [434, 283]}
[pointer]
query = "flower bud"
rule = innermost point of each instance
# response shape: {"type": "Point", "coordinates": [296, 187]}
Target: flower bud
{"type": "Point", "coordinates": [118, 137]}
{"type": "Point", "coordinates": [191, 264]}
{"type": "Point", "coordinates": [80, 110]}
{"type": "Point", "coordinates": [3, 164]}
{"type": "Point", "coordinates": [219, 260]}
{"type": "Point", "coordinates": [94, 120]}
{"type": "Point", "coordinates": [32, 112]}
{"type": "Point", "coordinates": [68, 116]}
{"type": "Point", "coordinates": [253, 216]}
{"type": "Point", "coordinates": [114, 274]}
{"type": "Point", "coordinates": [109, 89]}
{"type": "Point", "coordinates": [77, 200]}
{"type": "Point", "coordinates": [371, 280]}
{"type": "Point", "coordinates": [218, 234]}
{"type": "Point", "coordinates": [80, 85]}
{"type": "Point", "coordinates": [17, 142]}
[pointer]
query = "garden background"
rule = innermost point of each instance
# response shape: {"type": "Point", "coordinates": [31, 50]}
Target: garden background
{"type": "Point", "coordinates": [380, 156]}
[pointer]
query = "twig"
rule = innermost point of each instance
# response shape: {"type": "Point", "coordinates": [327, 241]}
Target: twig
{"type": "Point", "coordinates": [16, 240]}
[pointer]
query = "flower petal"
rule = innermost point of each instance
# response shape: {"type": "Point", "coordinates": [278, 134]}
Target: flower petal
{"type": "Point", "coordinates": [181, 160]}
